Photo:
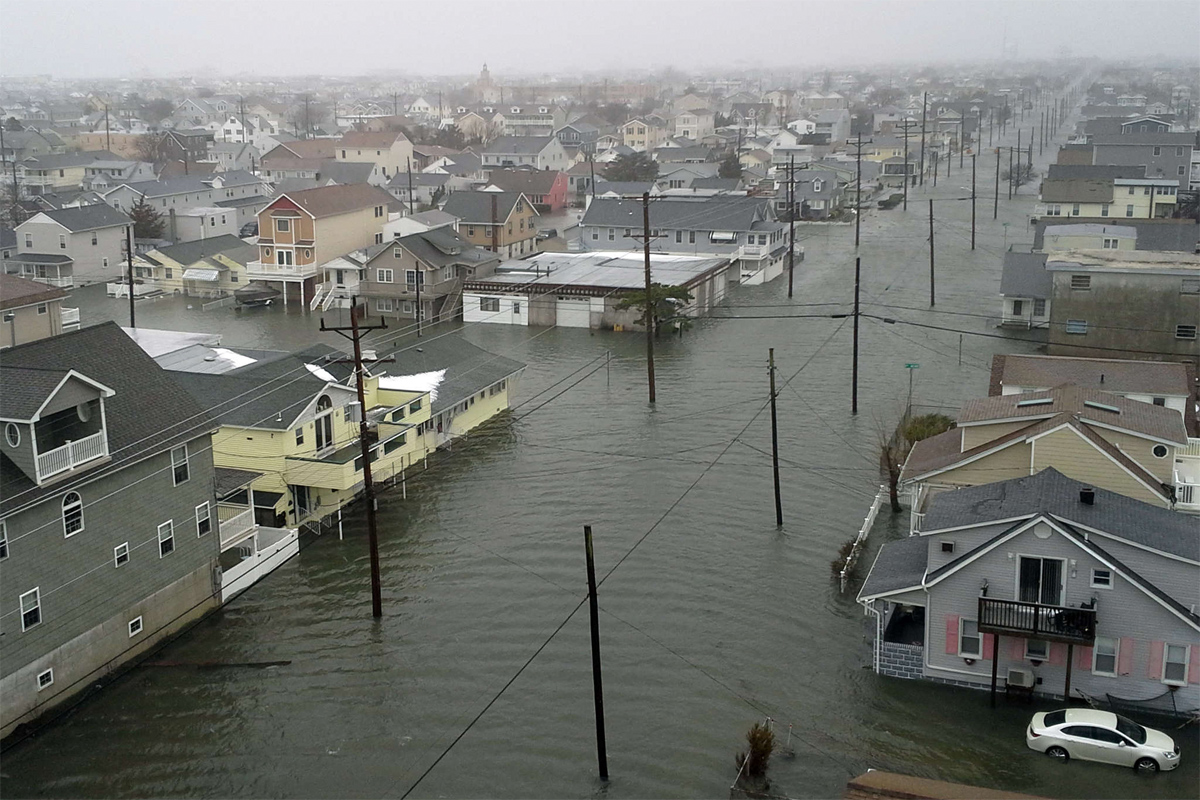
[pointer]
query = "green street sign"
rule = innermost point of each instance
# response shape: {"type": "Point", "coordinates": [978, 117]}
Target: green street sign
{"type": "Point", "coordinates": [912, 366]}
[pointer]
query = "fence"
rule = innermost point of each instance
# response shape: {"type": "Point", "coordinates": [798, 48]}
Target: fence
{"type": "Point", "coordinates": [863, 533]}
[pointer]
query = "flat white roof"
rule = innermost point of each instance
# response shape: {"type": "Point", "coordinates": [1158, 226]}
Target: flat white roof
{"type": "Point", "coordinates": [609, 269]}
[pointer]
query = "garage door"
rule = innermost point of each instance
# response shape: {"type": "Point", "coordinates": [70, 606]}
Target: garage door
{"type": "Point", "coordinates": [574, 312]}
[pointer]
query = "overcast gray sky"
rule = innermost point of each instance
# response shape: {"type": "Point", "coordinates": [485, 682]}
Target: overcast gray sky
{"type": "Point", "coordinates": [103, 38]}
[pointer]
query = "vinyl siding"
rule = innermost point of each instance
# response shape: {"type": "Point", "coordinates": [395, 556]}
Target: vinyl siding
{"type": "Point", "coordinates": [975, 435]}
{"type": "Point", "coordinates": [1011, 462]}
{"type": "Point", "coordinates": [1075, 457]}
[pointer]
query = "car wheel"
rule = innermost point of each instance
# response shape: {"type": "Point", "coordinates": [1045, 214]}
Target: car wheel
{"type": "Point", "coordinates": [1146, 765]}
{"type": "Point", "coordinates": [1059, 753]}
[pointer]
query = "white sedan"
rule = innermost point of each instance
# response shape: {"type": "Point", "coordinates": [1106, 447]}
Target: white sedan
{"type": "Point", "coordinates": [1101, 736]}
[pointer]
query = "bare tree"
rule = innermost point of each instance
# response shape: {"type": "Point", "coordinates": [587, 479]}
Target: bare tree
{"type": "Point", "coordinates": [896, 443]}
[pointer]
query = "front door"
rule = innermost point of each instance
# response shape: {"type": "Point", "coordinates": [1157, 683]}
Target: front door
{"type": "Point", "coordinates": [299, 501]}
{"type": "Point", "coordinates": [1040, 580]}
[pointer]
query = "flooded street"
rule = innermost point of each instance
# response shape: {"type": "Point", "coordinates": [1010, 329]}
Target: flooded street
{"type": "Point", "coordinates": [711, 617]}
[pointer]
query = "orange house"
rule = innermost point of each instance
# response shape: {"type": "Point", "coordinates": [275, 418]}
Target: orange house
{"type": "Point", "coordinates": [300, 231]}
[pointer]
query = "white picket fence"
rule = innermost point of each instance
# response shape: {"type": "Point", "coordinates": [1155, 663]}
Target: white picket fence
{"type": "Point", "coordinates": [863, 533]}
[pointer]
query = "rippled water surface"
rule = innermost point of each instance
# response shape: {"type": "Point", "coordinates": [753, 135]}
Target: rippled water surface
{"type": "Point", "coordinates": [711, 617]}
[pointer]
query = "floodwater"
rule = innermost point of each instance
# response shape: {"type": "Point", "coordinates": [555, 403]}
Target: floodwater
{"type": "Point", "coordinates": [711, 617]}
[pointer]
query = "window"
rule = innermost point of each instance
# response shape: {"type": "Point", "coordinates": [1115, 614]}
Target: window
{"type": "Point", "coordinates": [203, 519]}
{"type": "Point", "coordinates": [1018, 306]}
{"type": "Point", "coordinates": [179, 464]}
{"type": "Point", "coordinates": [283, 258]}
{"type": "Point", "coordinates": [1181, 170]}
{"type": "Point", "coordinates": [1104, 656]}
{"type": "Point", "coordinates": [1158, 151]}
{"type": "Point", "coordinates": [1179, 154]}
{"type": "Point", "coordinates": [947, 547]}
{"type": "Point", "coordinates": [3, 540]}
{"type": "Point", "coordinates": [29, 240]}
{"type": "Point", "coordinates": [1104, 210]}
{"type": "Point", "coordinates": [1040, 580]}
{"type": "Point", "coordinates": [1160, 450]}
{"type": "Point", "coordinates": [1131, 190]}
{"type": "Point", "coordinates": [1037, 649]}
{"type": "Point", "coordinates": [1108, 244]}
{"type": "Point", "coordinates": [166, 538]}
{"type": "Point", "coordinates": [1039, 308]}
{"type": "Point", "coordinates": [283, 225]}
{"type": "Point", "coordinates": [970, 642]}
{"type": "Point", "coordinates": [1075, 210]}
{"type": "Point", "coordinates": [31, 608]}
{"type": "Point", "coordinates": [233, 277]}
{"type": "Point", "coordinates": [1175, 664]}
{"type": "Point", "coordinates": [385, 304]}
{"type": "Point", "coordinates": [45, 679]}
{"type": "Point", "coordinates": [1054, 210]}
{"type": "Point", "coordinates": [72, 514]}
{"type": "Point", "coordinates": [1159, 401]}
{"type": "Point", "coordinates": [612, 234]}
{"type": "Point", "coordinates": [383, 275]}
{"type": "Point", "coordinates": [1081, 281]}
{"type": "Point", "coordinates": [1129, 210]}
{"type": "Point", "coordinates": [595, 235]}
{"type": "Point", "coordinates": [1185, 331]}
{"type": "Point", "coordinates": [1101, 579]}
{"type": "Point", "coordinates": [95, 240]}
{"type": "Point", "coordinates": [379, 238]}
{"type": "Point", "coordinates": [121, 554]}
{"type": "Point", "coordinates": [1190, 286]}
{"type": "Point", "coordinates": [414, 406]}
{"type": "Point", "coordinates": [516, 307]}
{"type": "Point", "coordinates": [12, 434]}
{"type": "Point", "coordinates": [135, 627]}
{"type": "Point", "coordinates": [105, 261]}
{"type": "Point", "coordinates": [1077, 326]}
{"type": "Point", "coordinates": [489, 304]}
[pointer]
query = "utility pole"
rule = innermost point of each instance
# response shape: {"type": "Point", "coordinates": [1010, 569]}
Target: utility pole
{"type": "Point", "coordinates": [933, 161]}
{"type": "Point", "coordinates": [932, 298]}
{"type": "Point", "coordinates": [858, 188]}
{"type": "Point", "coordinates": [775, 441]}
{"type": "Point", "coordinates": [107, 132]}
{"type": "Point", "coordinates": [418, 278]}
{"type": "Point", "coordinates": [592, 181]}
{"type": "Point", "coordinates": [395, 106]}
{"type": "Point", "coordinates": [495, 228]}
{"type": "Point", "coordinates": [854, 370]}
{"type": "Point", "coordinates": [129, 266]}
{"type": "Point", "coordinates": [597, 681]}
{"type": "Point", "coordinates": [972, 201]}
{"type": "Point", "coordinates": [1030, 161]}
{"type": "Point", "coordinates": [1010, 173]}
{"type": "Point", "coordinates": [906, 178]}
{"type": "Point", "coordinates": [924, 110]}
{"type": "Point", "coordinates": [649, 296]}
{"type": "Point", "coordinates": [366, 437]}
{"type": "Point", "coordinates": [411, 207]}
{"type": "Point", "coordinates": [307, 120]}
{"type": "Point", "coordinates": [791, 222]}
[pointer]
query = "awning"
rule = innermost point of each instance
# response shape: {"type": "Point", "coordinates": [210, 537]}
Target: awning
{"type": "Point", "coordinates": [198, 274]}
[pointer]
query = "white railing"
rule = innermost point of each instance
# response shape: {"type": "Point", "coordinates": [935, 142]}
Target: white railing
{"type": "Point", "coordinates": [236, 524]}
{"type": "Point", "coordinates": [863, 533]}
{"type": "Point", "coordinates": [70, 318]}
{"type": "Point", "coordinates": [316, 298]}
{"type": "Point", "coordinates": [1192, 448]}
{"type": "Point", "coordinates": [268, 269]}
{"type": "Point", "coordinates": [1187, 494]}
{"type": "Point", "coordinates": [753, 250]}
{"type": "Point", "coordinates": [139, 289]}
{"type": "Point", "coordinates": [70, 455]}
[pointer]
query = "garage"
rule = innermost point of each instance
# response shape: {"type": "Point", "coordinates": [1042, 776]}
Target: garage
{"type": "Point", "coordinates": [573, 312]}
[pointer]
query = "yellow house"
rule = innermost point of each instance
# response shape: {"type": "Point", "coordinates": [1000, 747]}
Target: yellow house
{"type": "Point", "coordinates": [204, 268]}
{"type": "Point", "coordinates": [641, 135]}
{"type": "Point", "coordinates": [1111, 442]}
{"type": "Point", "coordinates": [1115, 198]}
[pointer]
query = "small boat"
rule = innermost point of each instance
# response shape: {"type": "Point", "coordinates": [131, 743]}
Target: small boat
{"type": "Point", "coordinates": [256, 294]}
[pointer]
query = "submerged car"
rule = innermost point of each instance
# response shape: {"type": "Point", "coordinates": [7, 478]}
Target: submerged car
{"type": "Point", "coordinates": [1091, 735]}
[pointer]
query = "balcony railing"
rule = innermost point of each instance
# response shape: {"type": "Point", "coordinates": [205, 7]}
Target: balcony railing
{"type": "Point", "coordinates": [70, 455]}
{"type": "Point", "coordinates": [1187, 496]}
{"type": "Point", "coordinates": [267, 270]}
{"type": "Point", "coordinates": [1037, 621]}
{"type": "Point", "coordinates": [235, 521]}
{"type": "Point", "coordinates": [70, 318]}
{"type": "Point", "coordinates": [407, 291]}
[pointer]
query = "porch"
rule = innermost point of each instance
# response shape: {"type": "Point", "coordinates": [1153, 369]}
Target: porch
{"type": "Point", "coordinates": [1038, 622]}
{"type": "Point", "coordinates": [1187, 477]}
{"type": "Point", "coordinates": [72, 454]}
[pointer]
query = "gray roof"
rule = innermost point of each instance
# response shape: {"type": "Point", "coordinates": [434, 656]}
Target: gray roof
{"type": "Point", "coordinates": [518, 145]}
{"type": "Point", "coordinates": [148, 413]}
{"type": "Point", "coordinates": [1110, 374]}
{"type": "Point", "coordinates": [65, 160]}
{"type": "Point", "coordinates": [190, 183]}
{"type": "Point", "coordinates": [345, 172]}
{"type": "Point", "coordinates": [191, 252]}
{"type": "Point", "coordinates": [624, 187]}
{"type": "Point", "coordinates": [1186, 138]}
{"type": "Point", "coordinates": [1025, 275]}
{"type": "Point", "coordinates": [476, 207]}
{"type": "Point", "coordinates": [720, 184]}
{"type": "Point", "coordinates": [442, 247]}
{"type": "Point", "coordinates": [1152, 234]}
{"type": "Point", "coordinates": [1069, 172]}
{"type": "Point", "coordinates": [1092, 229]}
{"type": "Point", "coordinates": [1077, 190]}
{"type": "Point", "coordinates": [400, 179]}
{"type": "Point", "coordinates": [469, 369]}
{"type": "Point", "coordinates": [26, 389]}
{"type": "Point", "coordinates": [226, 481]}
{"type": "Point", "coordinates": [898, 565]}
{"type": "Point", "coordinates": [86, 218]}
{"type": "Point", "coordinates": [722, 213]}
{"type": "Point", "coordinates": [1051, 492]}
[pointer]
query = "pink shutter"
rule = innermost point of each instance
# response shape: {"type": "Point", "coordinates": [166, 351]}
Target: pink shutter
{"type": "Point", "coordinates": [1125, 656]}
{"type": "Point", "coordinates": [989, 648]}
{"type": "Point", "coordinates": [1058, 655]}
{"type": "Point", "coordinates": [1016, 649]}
{"type": "Point", "coordinates": [1083, 658]}
{"type": "Point", "coordinates": [952, 634]}
{"type": "Point", "coordinates": [1156, 661]}
{"type": "Point", "coordinates": [1194, 665]}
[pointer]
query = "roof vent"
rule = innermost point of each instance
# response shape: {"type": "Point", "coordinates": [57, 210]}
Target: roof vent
{"type": "Point", "coordinates": [1087, 496]}
{"type": "Point", "coordinates": [1040, 401]}
{"type": "Point", "coordinates": [1102, 406]}
{"type": "Point", "coordinates": [1102, 377]}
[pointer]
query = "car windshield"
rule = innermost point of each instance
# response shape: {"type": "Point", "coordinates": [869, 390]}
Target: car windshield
{"type": "Point", "coordinates": [1055, 718]}
{"type": "Point", "coordinates": [1131, 729]}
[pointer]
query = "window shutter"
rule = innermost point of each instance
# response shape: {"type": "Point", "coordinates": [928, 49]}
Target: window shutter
{"type": "Point", "coordinates": [1083, 658]}
{"type": "Point", "coordinates": [952, 634]}
{"type": "Point", "coordinates": [1058, 654]}
{"type": "Point", "coordinates": [1194, 666]}
{"type": "Point", "coordinates": [1125, 656]}
{"type": "Point", "coordinates": [989, 646]}
{"type": "Point", "coordinates": [1016, 649]}
{"type": "Point", "coordinates": [1156, 661]}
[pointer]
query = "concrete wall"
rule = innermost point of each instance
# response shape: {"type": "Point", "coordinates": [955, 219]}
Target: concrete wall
{"type": "Point", "coordinates": [901, 660]}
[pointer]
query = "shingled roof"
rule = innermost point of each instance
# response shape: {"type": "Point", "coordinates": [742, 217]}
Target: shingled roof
{"type": "Point", "coordinates": [16, 291]}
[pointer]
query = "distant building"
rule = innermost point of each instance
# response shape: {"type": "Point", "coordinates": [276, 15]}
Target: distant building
{"type": "Point", "coordinates": [32, 311]}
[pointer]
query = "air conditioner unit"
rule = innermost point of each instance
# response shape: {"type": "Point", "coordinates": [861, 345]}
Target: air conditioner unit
{"type": "Point", "coordinates": [1020, 677]}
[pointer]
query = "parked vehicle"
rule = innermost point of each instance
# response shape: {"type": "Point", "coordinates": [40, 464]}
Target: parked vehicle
{"type": "Point", "coordinates": [1091, 735]}
{"type": "Point", "coordinates": [547, 233]}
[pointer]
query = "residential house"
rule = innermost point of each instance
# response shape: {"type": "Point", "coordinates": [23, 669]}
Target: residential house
{"type": "Point", "coordinates": [1165, 155]}
{"type": "Point", "coordinates": [422, 273]}
{"type": "Point", "coordinates": [833, 123]}
{"type": "Point", "coordinates": [1123, 198]}
{"type": "Point", "coordinates": [1090, 233]}
{"type": "Point", "coordinates": [70, 246]}
{"type": "Point", "coordinates": [579, 179]}
{"type": "Point", "coordinates": [742, 229]}
{"type": "Point", "coordinates": [100, 176]}
{"type": "Point", "coordinates": [186, 145]}
{"type": "Point", "coordinates": [391, 151]}
{"type": "Point", "coordinates": [579, 135]}
{"type": "Point", "coordinates": [108, 529]}
{"type": "Point", "coordinates": [683, 175]}
{"type": "Point", "coordinates": [1026, 288]}
{"type": "Point", "coordinates": [547, 190]}
{"type": "Point", "coordinates": [818, 194]}
{"type": "Point", "coordinates": [230, 156]}
{"type": "Point", "coordinates": [1114, 443]}
{"type": "Point", "coordinates": [201, 267]}
{"type": "Point", "coordinates": [47, 174]}
{"type": "Point", "coordinates": [187, 191]}
{"type": "Point", "coordinates": [585, 290]}
{"type": "Point", "coordinates": [298, 159]}
{"type": "Point", "coordinates": [427, 187]}
{"type": "Point", "coordinates": [32, 311]}
{"type": "Point", "coordinates": [539, 152]}
{"type": "Point", "coordinates": [641, 135]}
{"type": "Point", "coordinates": [1116, 302]}
{"type": "Point", "coordinates": [300, 231]}
{"type": "Point", "coordinates": [537, 121]}
{"type": "Point", "coordinates": [1045, 584]}
{"type": "Point", "coordinates": [420, 222]}
{"type": "Point", "coordinates": [694, 123]}
{"type": "Point", "coordinates": [502, 222]}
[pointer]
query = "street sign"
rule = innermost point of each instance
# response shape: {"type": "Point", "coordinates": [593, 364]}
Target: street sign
{"type": "Point", "coordinates": [912, 366]}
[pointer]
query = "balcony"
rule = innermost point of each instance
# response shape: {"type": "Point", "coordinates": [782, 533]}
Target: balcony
{"type": "Point", "coordinates": [408, 291]}
{"type": "Point", "coordinates": [71, 455]}
{"type": "Point", "coordinates": [266, 270]}
{"type": "Point", "coordinates": [235, 522]}
{"type": "Point", "coordinates": [1187, 476]}
{"type": "Point", "coordinates": [1037, 621]}
{"type": "Point", "coordinates": [70, 319]}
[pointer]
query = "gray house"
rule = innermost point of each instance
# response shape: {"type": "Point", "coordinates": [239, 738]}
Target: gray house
{"type": "Point", "coordinates": [1043, 584]}
{"type": "Point", "coordinates": [742, 229]}
{"type": "Point", "coordinates": [188, 191]}
{"type": "Point", "coordinates": [70, 246]}
{"type": "Point", "coordinates": [1165, 155]}
{"type": "Point", "coordinates": [108, 522]}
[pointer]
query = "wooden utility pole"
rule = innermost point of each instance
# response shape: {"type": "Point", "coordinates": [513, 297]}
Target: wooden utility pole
{"type": "Point", "coordinates": [307, 120]}
{"type": "Point", "coordinates": [649, 319]}
{"type": "Point", "coordinates": [996, 202]}
{"type": "Point", "coordinates": [791, 221]}
{"type": "Point", "coordinates": [366, 437]}
{"type": "Point", "coordinates": [972, 201]}
{"type": "Point", "coordinates": [924, 110]}
{"type": "Point", "coordinates": [1016, 182]}
{"type": "Point", "coordinates": [107, 132]}
{"type": "Point", "coordinates": [854, 369]}
{"type": "Point", "coordinates": [775, 440]}
{"type": "Point", "coordinates": [129, 266]}
{"type": "Point", "coordinates": [411, 207]}
{"type": "Point", "coordinates": [597, 681]}
{"type": "Point", "coordinates": [1010, 173]}
{"type": "Point", "coordinates": [906, 179]}
{"type": "Point", "coordinates": [495, 227]}
{"type": "Point", "coordinates": [932, 297]}
{"type": "Point", "coordinates": [418, 279]}
{"type": "Point", "coordinates": [933, 162]}
{"type": "Point", "coordinates": [858, 189]}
